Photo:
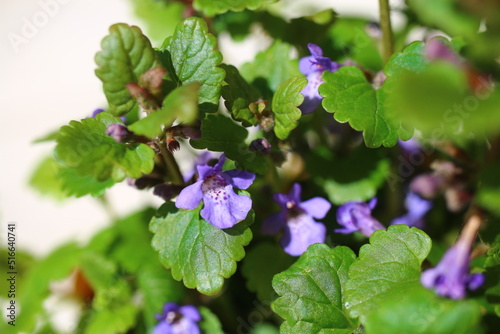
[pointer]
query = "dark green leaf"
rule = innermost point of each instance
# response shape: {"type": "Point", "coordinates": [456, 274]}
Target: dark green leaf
{"type": "Point", "coordinates": [238, 94]}
{"type": "Point", "coordinates": [220, 134]}
{"type": "Point", "coordinates": [197, 252]}
{"type": "Point", "coordinates": [210, 7]}
{"type": "Point", "coordinates": [180, 104]}
{"type": "Point", "coordinates": [488, 195]}
{"type": "Point", "coordinates": [312, 292]}
{"type": "Point", "coordinates": [352, 99]}
{"type": "Point", "coordinates": [193, 55]}
{"type": "Point", "coordinates": [126, 54]}
{"type": "Point", "coordinates": [492, 284]}
{"type": "Point", "coordinates": [285, 102]}
{"type": "Point", "coordinates": [259, 273]}
{"type": "Point", "coordinates": [388, 266]}
{"type": "Point", "coordinates": [85, 147]}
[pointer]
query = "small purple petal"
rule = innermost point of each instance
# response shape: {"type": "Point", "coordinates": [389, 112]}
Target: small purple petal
{"type": "Point", "coordinates": [312, 99]}
{"type": "Point", "coordinates": [223, 207]}
{"type": "Point", "coordinates": [316, 207]}
{"type": "Point", "coordinates": [356, 216]}
{"type": "Point", "coordinates": [307, 65]}
{"type": "Point", "coordinates": [204, 171]}
{"type": "Point", "coordinates": [190, 197]}
{"type": "Point", "coordinates": [185, 326]}
{"type": "Point", "coordinates": [163, 327]}
{"type": "Point", "coordinates": [475, 281]}
{"type": "Point", "coordinates": [302, 232]}
{"type": "Point", "coordinates": [410, 146]}
{"type": "Point", "coordinates": [373, 203]}
{"type": "Point", "coordinates": [97, 111]}
{"type": "Point", "coordinates": [190, 312]}
{"type": "Point", "coordinates": [295, 193]}
{"type": "Point", "coordinates": [240, 179]}
{"type": "Point", "coordinates": [436, 49]}
{"type": "Point", "coordinates": [218, 166]}
{"type": "Point", "coordinates": [273, 224]}
{"type": "Point", "coordinates": [366, 223]}
{"type": "Point", "coordinates": [315, 50]}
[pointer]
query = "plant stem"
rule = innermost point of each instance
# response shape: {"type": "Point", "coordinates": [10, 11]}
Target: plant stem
{"type": "Point", "coordinates": [173, 169]}
{"type": "Point", "coordinates": [385, 24]}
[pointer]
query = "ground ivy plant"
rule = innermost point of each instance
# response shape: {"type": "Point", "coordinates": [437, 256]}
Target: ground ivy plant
{"type": "Point", "coordinates": [345, 180]}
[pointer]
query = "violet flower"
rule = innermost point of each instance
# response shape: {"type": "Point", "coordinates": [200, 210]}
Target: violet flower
{"type": "Point", "coordinates": [177, 319]}
{"type": "Point", "coordinates": [357, 216]}
{"type": "Point", "coordinates": [118, 132]}
{"type": "Point", "coordinates": [313, 66]}
{"type": "Point", "coordinates": [417, 208]}
{"type": "Point", "coordinates": [296, 220]}
{"type": "Point", "coordinates": [223, 208]}
{"type": "Point", "coordinates": [451, 277]}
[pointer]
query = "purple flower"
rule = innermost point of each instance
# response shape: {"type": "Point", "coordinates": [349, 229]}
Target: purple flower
{"type": "Point", "coordinates": [314, 66]}
{"type": "Point", "coordinates": [296, 220]}
{"type": "Point", "coordinates": [436, 49]}
{"type": "Point", "coordinates": [100, 110]}
{"type": "Point", "coordinates": [428, 185]}
{"type": "Point", "coordinates": [223, 207]}
{"type": "Point", "coordinates": [357, 216]}
{"type": "Point", "coordinates": [177, 319]}
{"type": "Point", "coordinates": [417, 208]}
{"type": "Point", "coordinates": [118, 132]}
{"type": "Point", "coordinates": [451, 276]}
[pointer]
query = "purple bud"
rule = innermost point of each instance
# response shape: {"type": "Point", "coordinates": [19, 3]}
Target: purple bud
{"type": "Point", "coordinates": [428, 185]}
{"type": "Point", "coordinates": [97, 111]}
{"type": "Point", "coordinates": [118, 132]}
{"type": "Point", "coordinates": [260, 145]}
{"type": "Point", "coordinates": [436, 49]}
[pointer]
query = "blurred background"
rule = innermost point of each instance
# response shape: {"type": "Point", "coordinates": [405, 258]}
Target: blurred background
{"type": "Point", "coordinates": [47, 50]}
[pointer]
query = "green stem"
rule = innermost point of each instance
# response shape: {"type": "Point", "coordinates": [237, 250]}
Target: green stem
{"type": "Point", "coordinates": [385, 24]}
{"type": "Point", "coordinates": [173, 169]}
{"type": "Point", "coordinates": [107, 207]}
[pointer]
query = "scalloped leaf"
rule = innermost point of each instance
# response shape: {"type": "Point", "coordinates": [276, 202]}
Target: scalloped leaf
{"type": "Point", "coordinates": [126, 54]}
{"type": "Point", "coordinates": [181, 104]}
{"type": "Point", "coordinates": [355, 177]}
{"type": "Point", "coordinates": [197, 252]}
{"type": "Point", "coordinates": [259, 274]}
{"type": "Point", "coordinates": [221, 134]}
{"type": "Point", "coordinates": [311, 292]}
{"type": "Point", "coordinates": [85, 147]}
{"type": "Point", "coordinates": [285, 106]}
{"type": "Point", "coordinates": [211, 7]}
{"type": "Point", "coordinates": [238, 94]}
{"type": "Point", "coordinates": [192, 53]}
{"type": "Point", "coordinates": [352, 99]}
{"type": "Point", "coordinates": [388, 266]}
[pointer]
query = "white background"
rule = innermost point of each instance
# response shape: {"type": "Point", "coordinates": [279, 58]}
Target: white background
{"type": "Point", "coordinates": [48, 81]}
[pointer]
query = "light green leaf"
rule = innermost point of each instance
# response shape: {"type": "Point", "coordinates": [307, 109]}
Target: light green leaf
{"type": "Point", "coordinates": [388, 266]}
{"type": "Point", "coordinates": [193, 55]}
{"type": "Point", "coordinates": [411, 59]}
{"type": "Point", "coordinates": [238, 94]}
{"type": "Point", "coordinates": [259, 273]}
{"type": "Point", "coordinates": [312, 292]}
{"type": "Point", "coordinates": [421, 311]}
{"type": "Point", "coordinates": [85, 147]}
{"type": "Point", "coordinates": [197, 252]}
{"type": "Point", "coordinates": [126, 54]}
{"type": "Point", "coordinates": [213, 7]}
{"type": "Point", "coordinates": [285, 102]}
{"type": "Point", "coordinates": [76, 185]}
{"type": "Point", "coordinates": [181, 104]}
{"type": "Point", "coordinates": [355, 177]}
{"type": "Point", "coordinates": [271, 68]}
{"type": "Point", "coordinates": [220, 134]}
{"type": "Point", "coordinates": [352, 99]}
{"type": "Point", "coordinates": [44, 179]}
{"type": "Point", "coordinates": [209, 323]}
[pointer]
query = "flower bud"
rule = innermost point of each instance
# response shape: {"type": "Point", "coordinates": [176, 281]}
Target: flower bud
{"type": "Point", "coordinates": [260, 145]}
{"type": "Point", "coordinates": [118, 132]}
{"type": "Point", "coordinates": [427, 185]}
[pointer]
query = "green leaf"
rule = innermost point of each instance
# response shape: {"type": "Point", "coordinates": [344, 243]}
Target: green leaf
{"type": "Point", "coordinates": [157, 287]}
{"type": "Point", "coordinates": [411, 59]}
{"type": "Point", "coordinates": [238, 94]}
{"type": "Point", "coordinates": [76, 185]}
{"type": "Point", "coordinates": [421, 311]}
{"type": "Point", "coordinates": [116, 320]}
{"type": "Point", "coordinates": [271, 68]}
{"type": "Point", "coordinates": [44, 179]}
{"type": "Point", "coordinates": [312, 291]}
{"type": "Point", "coordinates": [355, 177]}
{"type": "Point", "coordinates": [197, 252]}
{"type": "Point", "coordinates": [193, 55]}
{"type": "Point", "coordinates": [259, 274]}
{"type": "Point", "coordinates": [220, 134]}
{"type": "Point", "coordinates": [285, 102]}
{"type": "Point", "coordinates": [126, 54]}
{"type": "Point", "coordinates": [388, 266]}
{"type": "Point", "coordinates": [180, 104]}
{"type": "Point", "coordinates": [209, 323]}
{"type": "Point", "coordinates": [213, 7]}
{"type": "Point", "coordinates": [492, 285]}
{"type": "Point", "coordinates": [488, 194]}
{"type": "Point", "coordinates": [85, 147]}
{"type": "Point", "coordinates": [352, 99]}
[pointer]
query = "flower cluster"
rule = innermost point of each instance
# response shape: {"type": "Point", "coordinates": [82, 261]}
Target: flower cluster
{"type": "Point", "coordinates": [313, 67]}
{"type": "Point", "coordinates": [177, 319]}
{"type": "Point", "coordinates": [223, 208]}
{"type": "Point", "coordinates": [296, 221]}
